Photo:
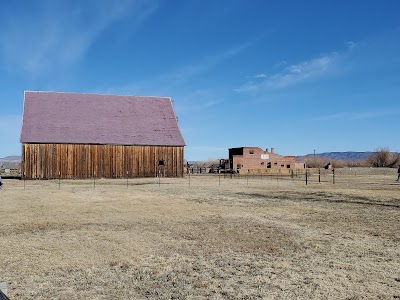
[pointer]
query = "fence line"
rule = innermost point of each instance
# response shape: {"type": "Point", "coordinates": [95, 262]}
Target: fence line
{"type": "Point", "coordinates": [251, 177]}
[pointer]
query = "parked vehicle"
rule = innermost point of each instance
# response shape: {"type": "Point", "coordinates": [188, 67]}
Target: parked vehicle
{"type": "Point", "coordinates": [222, 167]}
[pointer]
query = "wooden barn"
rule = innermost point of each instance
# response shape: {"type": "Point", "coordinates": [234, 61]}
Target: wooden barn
{"type": "Point", "coordinates": [72, 135]}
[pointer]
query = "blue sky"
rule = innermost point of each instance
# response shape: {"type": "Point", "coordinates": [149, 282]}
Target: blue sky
{"type": "Point", "coordinates": [293, 75]}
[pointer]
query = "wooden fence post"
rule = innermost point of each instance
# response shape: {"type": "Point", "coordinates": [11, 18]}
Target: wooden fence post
{"type": "Point", "coordinates": [306, 177]}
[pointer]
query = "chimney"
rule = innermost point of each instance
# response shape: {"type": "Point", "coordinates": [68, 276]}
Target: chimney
{"type": "Point", "coordinates": [266, 150]}
{"type": "Point", "coordinates": [272, 150]}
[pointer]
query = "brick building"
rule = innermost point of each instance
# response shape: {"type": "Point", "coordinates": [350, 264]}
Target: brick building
{"type": "Point", "coordinates": [255, 158]}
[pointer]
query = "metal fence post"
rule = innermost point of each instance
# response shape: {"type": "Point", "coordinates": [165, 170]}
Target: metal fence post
{"type": "Point", "coordinates": [306, 177]}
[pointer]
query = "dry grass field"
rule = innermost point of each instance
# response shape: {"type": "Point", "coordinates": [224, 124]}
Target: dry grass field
{"type": "Point", "coordinates": [210, 238]}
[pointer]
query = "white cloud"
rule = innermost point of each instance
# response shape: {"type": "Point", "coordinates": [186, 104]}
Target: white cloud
{"type": "Point", "coordinates": [293, 74]}
{"type": "Point", "coordinates": [351, 45]}
{"type": "Point", "coordinates": [262, 75]}
{"type": "Point", "coordinates": [166, 84]}
{"type": "Point", "coordinates": [55, 33]}
{"type": "Point", "coordinates": [281, 64]}
{"type": "Point", "coordinates": [204, 64]}
{"type": "Point", "coordinates": [354, 116]}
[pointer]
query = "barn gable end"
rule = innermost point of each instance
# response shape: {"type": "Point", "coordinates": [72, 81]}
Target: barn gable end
{"type": "Point", "coordinates": [72, 135]}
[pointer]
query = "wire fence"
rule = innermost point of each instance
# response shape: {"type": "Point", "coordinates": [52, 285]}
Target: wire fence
{"type": "Point", "coordinates": [307, 177]}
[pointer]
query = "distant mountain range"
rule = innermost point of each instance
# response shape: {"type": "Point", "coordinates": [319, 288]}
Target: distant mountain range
{"type": "Point", "coordinates": [10, 162]}
{"type": "Point", "coordinates": [348, 156]}
{"type": "Point", "coordinates": [12, 158]}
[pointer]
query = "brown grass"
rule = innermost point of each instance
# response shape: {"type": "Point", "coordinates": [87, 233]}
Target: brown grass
{"type": "Point", "coordinates": [265, 239]}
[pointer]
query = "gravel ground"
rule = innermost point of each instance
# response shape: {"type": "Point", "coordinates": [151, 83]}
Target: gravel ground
{"type": "Point", "coordinates": [207, 238]}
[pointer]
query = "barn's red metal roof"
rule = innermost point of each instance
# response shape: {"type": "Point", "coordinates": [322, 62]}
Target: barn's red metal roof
{"type": "Point", "coordinates": [74, 118]}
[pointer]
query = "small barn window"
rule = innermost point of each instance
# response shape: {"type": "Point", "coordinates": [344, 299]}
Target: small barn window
{"type": "Point", "coordinates": [251, 151]}
{"type": "Point", "coordinates": [288, 166]}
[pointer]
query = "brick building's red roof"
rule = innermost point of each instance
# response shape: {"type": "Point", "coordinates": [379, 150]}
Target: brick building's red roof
{"type": "Point", "coordinates": [73, 118]}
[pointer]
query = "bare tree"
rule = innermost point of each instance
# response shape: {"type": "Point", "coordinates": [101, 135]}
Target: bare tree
{"type": "Point", "coordinates": [395, 160]}
{"type": "Point", "coordinates": [382, 157]}
{"type": "Point", "coordinates": [315, 161]}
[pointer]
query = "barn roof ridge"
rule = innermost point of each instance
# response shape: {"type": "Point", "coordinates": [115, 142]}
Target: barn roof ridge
{"type": "Point", "coordinates": [99, 94]}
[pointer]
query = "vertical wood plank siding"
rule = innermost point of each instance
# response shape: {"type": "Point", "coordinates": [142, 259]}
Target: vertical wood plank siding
{"type": "Point", "coordinates": [49, 161]}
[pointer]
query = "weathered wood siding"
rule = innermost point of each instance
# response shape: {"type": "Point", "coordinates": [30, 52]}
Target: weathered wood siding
{"type": "Point", "coordinates": [47, 161]}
